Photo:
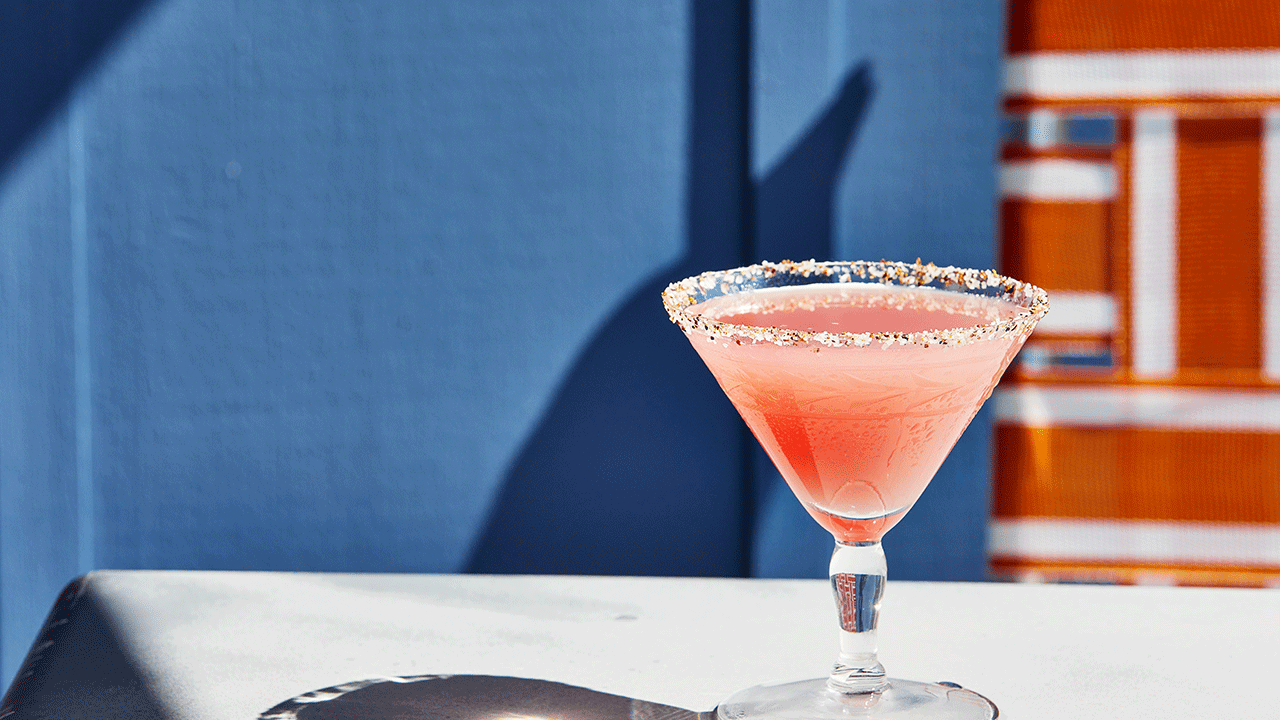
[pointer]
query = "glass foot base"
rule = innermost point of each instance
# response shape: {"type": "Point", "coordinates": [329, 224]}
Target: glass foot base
{"type": "Point", "coordinates": [812, 700]}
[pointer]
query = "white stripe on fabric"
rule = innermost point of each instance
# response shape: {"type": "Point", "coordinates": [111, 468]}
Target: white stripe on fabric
{"type": "Point", "coordinates": [1194, 409]}
{"type": "Point", "coordinates": [1061, 180]}
{"type": "Point", "coordinates": [1154, 257]}
{"type": "Point", "coordinates": [1137, 541]}
{"type": "Point", "coordinates": [1271, 244]}
{"type": "Point", "coordinates": [1144, 74]}
{"type": "Point", "coordinates": [1079, 313]}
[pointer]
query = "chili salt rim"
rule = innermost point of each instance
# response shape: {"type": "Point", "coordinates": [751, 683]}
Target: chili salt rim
{"type": "Point", "coordinates": [1032, 302]}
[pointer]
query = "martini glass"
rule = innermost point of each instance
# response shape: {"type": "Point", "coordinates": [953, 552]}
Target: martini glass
{"type": "Point", "coordinates": [857, 378]}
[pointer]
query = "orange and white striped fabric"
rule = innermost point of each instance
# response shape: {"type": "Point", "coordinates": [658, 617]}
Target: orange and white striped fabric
{"type": "Point", "coordinates": [1138, 439]}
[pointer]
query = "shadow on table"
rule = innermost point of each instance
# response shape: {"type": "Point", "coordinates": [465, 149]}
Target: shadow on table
{"type": "Point", "coordinates": [79, 667]}
{"type": "Point", "coordinates": [445, 697]}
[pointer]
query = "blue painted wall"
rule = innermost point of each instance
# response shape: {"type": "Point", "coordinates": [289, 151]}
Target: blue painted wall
{"type": "Point", "coordinates": [374, 288]}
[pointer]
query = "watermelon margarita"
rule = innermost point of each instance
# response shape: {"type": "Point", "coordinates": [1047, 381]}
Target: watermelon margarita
{"type": "Point", "coordinates": [857, 378]}
{"type": "Point", "coordinates": [857, 432]}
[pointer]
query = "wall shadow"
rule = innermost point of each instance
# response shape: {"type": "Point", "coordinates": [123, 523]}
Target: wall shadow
{"type": "Point", "coordinates": [640, 466]}
{"type": "Point", "coordinates": [636, 466]}
{"type": "Point", "coordinates": [45, 49]}
{"type": "Point", "coordinates": [795, 201]}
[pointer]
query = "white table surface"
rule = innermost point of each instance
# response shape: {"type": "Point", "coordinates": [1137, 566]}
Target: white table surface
{"type": "Point", "coordinates": [221, 645]}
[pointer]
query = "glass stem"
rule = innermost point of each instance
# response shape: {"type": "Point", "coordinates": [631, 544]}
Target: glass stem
{"type": "Point", "coordinates": [857, 581]}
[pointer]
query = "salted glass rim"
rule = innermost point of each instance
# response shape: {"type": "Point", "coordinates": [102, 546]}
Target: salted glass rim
{"type": "Point", "coordinates": [680, 297]}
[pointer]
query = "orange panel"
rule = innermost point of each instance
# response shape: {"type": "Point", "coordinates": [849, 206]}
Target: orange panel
{"type": "Point", "coordinates": [1055, 472]}
{"type": "Point", "coordinates": [1181, 105]}
{"type": "Point", "coordinates": [1015, 151]}
{"type": "Point", "coordinates": [1219, 248]}
{"type": "Point", "coordinates": [1136, 474]}
{"type": "Point", "coordinates": [1057, 245]}
{"type": "Point", "coordinates": [1074, 25]}
{"type": "Point", "coordinates": [1223, 378]}
{"type": "Point", "coordinates": [1119, 249]}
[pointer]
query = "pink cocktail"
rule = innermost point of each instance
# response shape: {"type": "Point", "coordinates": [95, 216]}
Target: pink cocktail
{"type": "Point", "coordinates": [857, 378]}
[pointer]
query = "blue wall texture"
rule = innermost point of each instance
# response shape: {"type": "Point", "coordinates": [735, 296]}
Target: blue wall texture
{"type": "Point", "coordinates": [299, 286]}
